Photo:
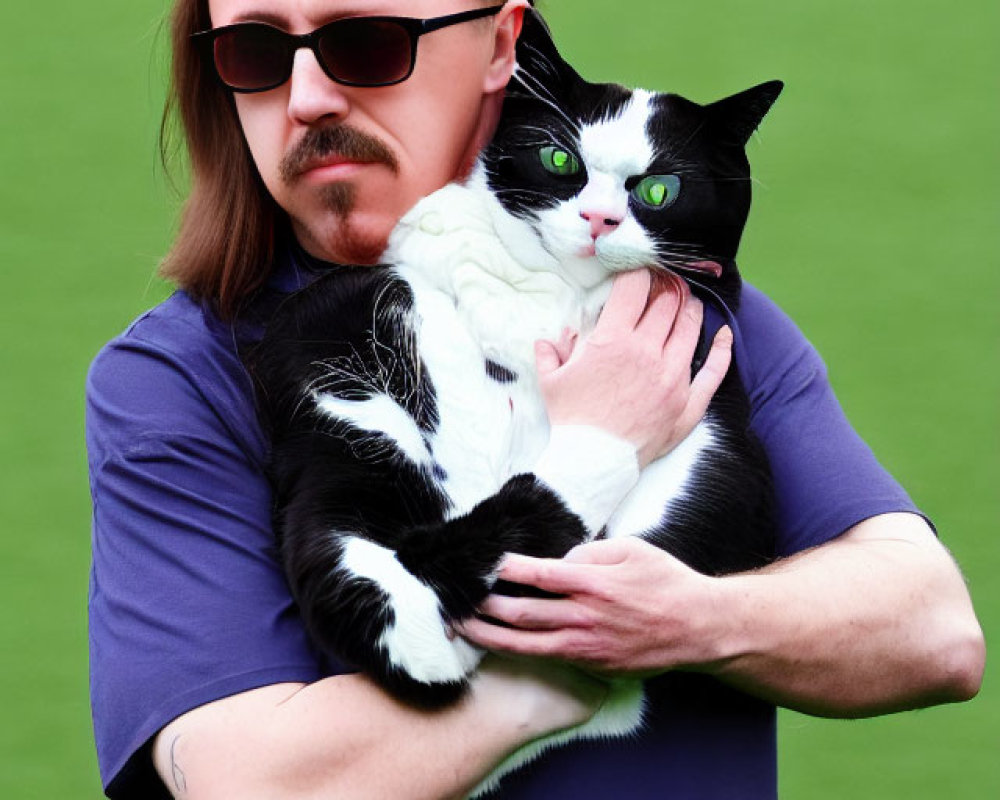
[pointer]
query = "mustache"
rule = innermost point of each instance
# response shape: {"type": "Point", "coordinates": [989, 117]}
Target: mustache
{"type": "Point", "coordinates": [342, 141]}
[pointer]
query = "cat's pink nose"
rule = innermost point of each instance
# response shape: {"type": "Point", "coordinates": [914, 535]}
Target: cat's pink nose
{"type": "Point", "coordinates": [601, 222]}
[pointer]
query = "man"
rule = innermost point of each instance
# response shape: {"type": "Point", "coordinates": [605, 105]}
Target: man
{"type": "Point", "coordinates": [200, 666]}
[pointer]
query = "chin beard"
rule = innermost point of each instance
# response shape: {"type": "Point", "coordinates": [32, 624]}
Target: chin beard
{"type": "Point", "coordinates": [339, 198]}
{"type": "Point", "coordinates": [352, 246]}
{"type": "Point", "coordinates": [356, 247]}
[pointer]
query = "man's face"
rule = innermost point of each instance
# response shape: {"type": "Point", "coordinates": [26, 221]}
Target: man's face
{"type": "Point", "coordinates": [347, 162]}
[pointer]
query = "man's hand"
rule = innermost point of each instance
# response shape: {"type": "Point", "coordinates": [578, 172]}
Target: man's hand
{"type": "Point", "coordinates": [627, 607]}
{"type": "Point", "coordinates": [631, 376]}
{"type": "Point", "coordinates": [876, 620]}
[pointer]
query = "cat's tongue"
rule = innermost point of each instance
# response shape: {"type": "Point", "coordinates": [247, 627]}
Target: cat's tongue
{"type": "Point", "coordinates": [712, 268]}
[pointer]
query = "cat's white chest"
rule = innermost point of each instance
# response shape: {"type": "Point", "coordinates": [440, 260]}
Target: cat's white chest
{"type": "Point", "coordinates": [507, 290]}
{"type": "Point", "coordinates": [488, 429]}
{"type": "Point", "coordinates": [476, 301]}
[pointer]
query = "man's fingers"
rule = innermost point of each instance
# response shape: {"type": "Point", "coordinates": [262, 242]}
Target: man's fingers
{"type": "Point", "coordinates": [706, 383]}
{"type": "Point", "coordinates": [511, 640]}
{"type": "Point", "coordinates": [660, 315]}
{"type": "Point", "coordinates": [551, 575]}
{"type": "Point", "coordinates": [683, 341]}
{"type": "Point", "coordinates": [534, 613]}
{"type": "Point", "coordinates": [603, 551]}
{"type": "Point", "coordinates": [627, 301]}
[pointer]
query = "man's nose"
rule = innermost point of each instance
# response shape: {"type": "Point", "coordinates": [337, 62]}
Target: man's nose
{"type": "Point", "coordinates": [312, 95]}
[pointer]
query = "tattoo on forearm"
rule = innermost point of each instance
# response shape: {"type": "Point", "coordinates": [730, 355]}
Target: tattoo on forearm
{"type": "Point", "coordinates": [180, 782]}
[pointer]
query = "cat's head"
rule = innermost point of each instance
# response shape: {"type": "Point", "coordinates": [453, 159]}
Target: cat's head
{"type": "Point", "coordinates": [629, 178]}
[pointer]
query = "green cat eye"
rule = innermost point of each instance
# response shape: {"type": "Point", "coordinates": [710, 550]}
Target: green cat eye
{"type": "Point", "coordinates": [559, 161]}
{"type": "Point", "coordinates": [657, 191]}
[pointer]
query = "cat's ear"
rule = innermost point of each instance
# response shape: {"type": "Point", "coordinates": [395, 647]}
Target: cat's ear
{"type": "Point", "coordinates": [538, 61]}
{"type": "Point", "coordinates": [735, 118]}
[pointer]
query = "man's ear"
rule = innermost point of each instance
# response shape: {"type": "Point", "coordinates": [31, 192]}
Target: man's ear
{"type": "Point", "coordinates": [506, 30]}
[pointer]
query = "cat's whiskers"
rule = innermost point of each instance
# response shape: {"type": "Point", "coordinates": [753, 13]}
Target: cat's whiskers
{"type": "Point", "coordinates": [534, 96]}
{"type": "Point", "coordinates": [542, 59]}
{"type": "Point", "coordinates": [332, 373]}
{"type": "Point", "coordinates": [521, 192]}
{"type": "Point", "coordinates": [384, 308]}
{"type": "Point", "coordinates": [675, 164]}
{"type": "Point", "coordinates": [548, 136]}
{"type": "Point", "coordinates": [534, 91]}
{"type": "Point", "coordinates": [350, 370]}
{"type": "Point", "coordinates": [546, 64]}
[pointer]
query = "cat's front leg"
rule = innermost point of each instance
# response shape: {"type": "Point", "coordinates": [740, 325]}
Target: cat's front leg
{"type": "Point", "coordinates": [440, 573]}
{"type": "Point", "coordinates": [383, 595]}
{"type": "Point", "coordinates": [392, 623]}
{"type": "Point", "coordinates": [590, 470]}
{"type": "Point", "coordinates": [461, 557]}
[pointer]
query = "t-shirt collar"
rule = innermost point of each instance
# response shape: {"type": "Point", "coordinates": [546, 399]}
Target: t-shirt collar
{"type": "Point", "coordinates": [294, 267]}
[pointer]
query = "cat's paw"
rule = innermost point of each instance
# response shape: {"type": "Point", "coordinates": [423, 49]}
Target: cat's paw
{"type": "Point", "coordinates": [415, 654]}
{"type": "Point", "coordinates": [539, 523]}
{"type": "Point", "coordinates": [427, 668]}
{"type": "Point", "coordinates": [419, 646]}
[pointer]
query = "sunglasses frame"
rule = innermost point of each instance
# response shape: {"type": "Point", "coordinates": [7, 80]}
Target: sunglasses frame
{"type": "Point", "coordinates": [414, 28]}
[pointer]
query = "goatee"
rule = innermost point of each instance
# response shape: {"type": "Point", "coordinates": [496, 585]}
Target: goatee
{"type": "Point", "coordinates": [339, 198]}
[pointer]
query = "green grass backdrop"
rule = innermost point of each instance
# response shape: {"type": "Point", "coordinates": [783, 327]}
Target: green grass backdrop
{"type": "Point", "coordinates": [875, 225]}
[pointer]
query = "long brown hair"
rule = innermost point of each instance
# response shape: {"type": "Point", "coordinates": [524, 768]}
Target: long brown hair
{"type": "Point", "coordinates": [225, 243]}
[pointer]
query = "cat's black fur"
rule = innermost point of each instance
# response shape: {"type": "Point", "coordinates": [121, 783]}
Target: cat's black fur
{"type": "Point", "coordinates": [327, 477]}
{"type": "Point", "coordinates": [332, 478]}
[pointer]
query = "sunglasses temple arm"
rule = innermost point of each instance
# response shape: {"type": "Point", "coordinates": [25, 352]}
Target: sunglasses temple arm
{"type": "Point", "coordinates": [430, 25]}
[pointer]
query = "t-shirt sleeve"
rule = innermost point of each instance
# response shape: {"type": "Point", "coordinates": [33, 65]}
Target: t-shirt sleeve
{"type": "Point", "coordinates": [187, 601]}
{"type": "Point", "coordinates": [826, 478]}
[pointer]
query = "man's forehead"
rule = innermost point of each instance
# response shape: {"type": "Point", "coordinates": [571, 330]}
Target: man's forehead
{"type": "Point", "coordinates": [294, 13]}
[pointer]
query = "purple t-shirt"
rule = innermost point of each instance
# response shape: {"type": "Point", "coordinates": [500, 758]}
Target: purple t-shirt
{"type": "Point", "coordinates": [188, 603]}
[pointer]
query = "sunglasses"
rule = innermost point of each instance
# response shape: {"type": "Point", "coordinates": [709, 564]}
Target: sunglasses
{"type": "Point", "coordinates": [354, 51]}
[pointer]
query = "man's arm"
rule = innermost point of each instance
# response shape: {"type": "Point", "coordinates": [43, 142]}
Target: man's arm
{"type": "Point", "coordinates": [877, 620]}
{"type": "Point", "coordinates": [344, 737]}
{"type": "Point", "coordinates": [874, 621]}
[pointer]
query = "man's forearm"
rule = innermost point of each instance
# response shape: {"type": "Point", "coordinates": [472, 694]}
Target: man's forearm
{"type": "Point", "coordinates": [335, 738]}
{"type": "Point", "coordinates": [345, 737]}
{"type": "Point", "coordinates": [877, 620]}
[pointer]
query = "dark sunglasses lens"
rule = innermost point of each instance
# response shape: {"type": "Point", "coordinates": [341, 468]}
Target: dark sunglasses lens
{"type": "Point", "coordinates": [366, 52]}
{"type": "Point", "coordinates": [252, 57]}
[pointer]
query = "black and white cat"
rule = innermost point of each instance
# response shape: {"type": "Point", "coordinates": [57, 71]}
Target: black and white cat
{"type": "Point", "coordinates": [411, 448]}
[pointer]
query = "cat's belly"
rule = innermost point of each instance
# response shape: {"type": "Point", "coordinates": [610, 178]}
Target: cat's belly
{"type": "Point", "coordinates": [488, 429]}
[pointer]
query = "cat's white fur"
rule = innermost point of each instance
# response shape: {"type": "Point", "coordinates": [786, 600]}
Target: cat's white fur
{"type": "Point", "coordinates": [417, 642]}
{"type": "Point", "coordinates": [486, 285]}
{"type": "Point", "coordinates": [380, 415]}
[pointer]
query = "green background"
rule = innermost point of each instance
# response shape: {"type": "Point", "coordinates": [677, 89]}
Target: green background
{"type": "Point", "coordinates": [875, 226]}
